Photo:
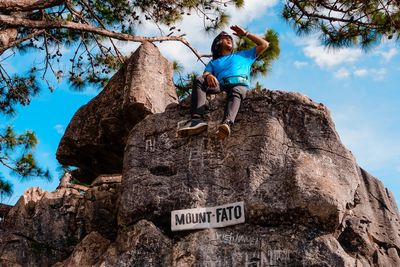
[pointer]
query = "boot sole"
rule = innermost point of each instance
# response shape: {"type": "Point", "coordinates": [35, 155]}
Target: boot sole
{"type": "Point", "coordinates": [190, 131]}
{"type": "Point", "coordinates": [223, 132]}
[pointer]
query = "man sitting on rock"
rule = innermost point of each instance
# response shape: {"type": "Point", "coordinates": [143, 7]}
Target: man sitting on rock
{"type": "Point", "coordinates": [227, 71]}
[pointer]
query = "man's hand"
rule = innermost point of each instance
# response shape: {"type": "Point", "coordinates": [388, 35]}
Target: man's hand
{"type": "Point", "coordinates": [211, 80]}
{"type": "Point", "coordinates": [238, 31]}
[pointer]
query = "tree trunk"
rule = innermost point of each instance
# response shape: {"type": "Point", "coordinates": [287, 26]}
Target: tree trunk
{"type": "Point", "coordinates": [7, 36]}
{"type": "Point", "coordinates": [27, 5]}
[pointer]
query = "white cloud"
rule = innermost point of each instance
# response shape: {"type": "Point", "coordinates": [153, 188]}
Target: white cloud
{"type": "Point", "coordinates": [126, 48]}
{"type": "Point", "coordinates": [371, 147]}
{"type": "Point", "coordinates": [326, 58]}
{"type": "Point", "coordinates": [378, 74]}
{"type": "Point", "coordinates": [375, 74]}
{"type": "Point", "coordinates": [367, 135]}
{"type": "Point", "coordinates": [389, 54]}
{"type": "Point", "coordinates": [300, 64]}
{"type": "Point", "coordinates": [360, 72]}
{"type": "Point", "coordinates": [342, 74]}
{"type": "Point", "coordinates": [59, 128]}
{"type": "Point", "coordinates": [252, 10]}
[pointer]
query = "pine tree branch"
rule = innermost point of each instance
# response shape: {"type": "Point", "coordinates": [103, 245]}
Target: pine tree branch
{"type": "Point", "coordinates": [3, 74]}
{"type": "Point", "coordinates": [328, 18]}
{"type": "Point", "coordinates": [117, 52]}
{"type": "Point", "coordinates": [51, 24]}
{"type": "Point", "coordinates": [27, 5]}
{"type": "Point", "coordinates": [8, 165]}
{"type": "Point", "coordinates": [20, 40]}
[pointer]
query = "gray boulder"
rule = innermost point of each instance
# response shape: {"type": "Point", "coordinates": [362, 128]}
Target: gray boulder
{"type": "Point", "coordinates": [45, 227]}
{"type": "Point", "coordinates": [41, 228]}
{"type": "Point", "coordinates": [95, 138]}
{"type": "Point", "coordinates": [142, 244]}
{"type": "Point", "coordinates": [307, 202]}
{"type": "Point", "coordinates": [98, 211]}
{"type": "Point", "coordinates": [283, 159]}
{"type": "Point", "coordinates": [87, 252]}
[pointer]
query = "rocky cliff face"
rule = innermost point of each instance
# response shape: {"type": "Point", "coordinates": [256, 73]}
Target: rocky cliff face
{"type": "Point", "coordinates": [95, 138]}
{"type": "Point", "coordinates": [306, 201]}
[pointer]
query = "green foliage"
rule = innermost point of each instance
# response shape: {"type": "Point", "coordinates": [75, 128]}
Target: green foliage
{"type": "Point", "coordinates": [239, 3]}
{"type": "Point", "coordinates": [258, 86]}
{"type": "Point", "coordinates": [218, 23]}
{"type": "Point", "coordinates": [16, 153]}
{"type": "Point", "coordinates": [183, 82]}
{"type": "Point", "coordinates": [15, 90]}
{"type": "Point", "coordinates": [6, 189]}
{"type": "Point", "coordinates": [345, 23]}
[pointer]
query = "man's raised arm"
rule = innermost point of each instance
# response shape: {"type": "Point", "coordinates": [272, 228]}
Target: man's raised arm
{"type": "Point", "coordinates": [260, 42]}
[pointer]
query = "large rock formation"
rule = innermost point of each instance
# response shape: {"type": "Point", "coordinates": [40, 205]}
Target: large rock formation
{"type": "Point", "coordinates": [43, 227]}
{"type": "Point", "coordinates": [95, 138]}
{"type": "Point", "coordinates": [4, 209]}
{"type": "Point", "coordinates": [307, 202]}
{"type": "Point", "coordinates": [281, 159]}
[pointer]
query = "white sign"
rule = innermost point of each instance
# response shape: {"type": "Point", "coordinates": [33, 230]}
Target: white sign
{"type": "Point", "coordinates": [212, 217]}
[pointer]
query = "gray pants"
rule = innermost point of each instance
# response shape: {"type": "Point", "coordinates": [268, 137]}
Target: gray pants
{"type": "Point", "coordinates": [199, 97]}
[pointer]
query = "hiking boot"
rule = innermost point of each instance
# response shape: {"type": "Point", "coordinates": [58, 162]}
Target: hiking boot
{"type": "Point", "coordinates": [191, 127]}
{"type": "Point", "coordinates": [224, 129]}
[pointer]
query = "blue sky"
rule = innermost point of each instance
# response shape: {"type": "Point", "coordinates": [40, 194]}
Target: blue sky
{"type": "Point", "coordinates": [359, 88]}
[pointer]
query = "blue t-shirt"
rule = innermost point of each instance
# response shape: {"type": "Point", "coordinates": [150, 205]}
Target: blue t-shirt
{"type": "Point", "coordinates": [235, 64]}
